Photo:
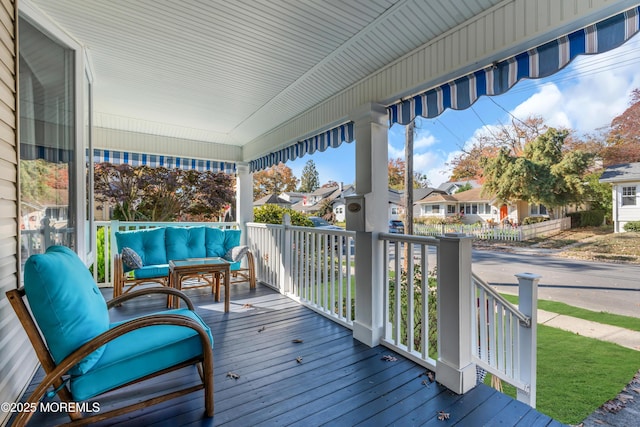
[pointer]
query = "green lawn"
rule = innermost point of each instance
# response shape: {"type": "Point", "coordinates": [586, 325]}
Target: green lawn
{"type": "Point", "coordinates": [576, 375]}
{"type": "Point", "coordinates": [632, 323]}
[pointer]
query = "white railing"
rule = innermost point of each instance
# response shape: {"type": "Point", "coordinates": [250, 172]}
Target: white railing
{"type": "Point", "coordinates": [505, 336]}
{"type": "Point", "coordinates": [105, 232]}
{"type": "Point", "coordinates": [410, 317]}
{"type": "Point", "coordinates": [313, 266]}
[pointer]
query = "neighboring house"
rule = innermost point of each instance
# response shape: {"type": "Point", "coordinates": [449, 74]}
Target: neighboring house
{"type": "Point", "coordinates": [419, 194]}
{"type": "Point", "coordinates": [625, 183]}
{"type": "Point", "coordinates": [293, 197]}
{"type": "Point", "coordinates": [312, 202]}
{"type": "Point", "coordinates": [452, 186]}
{"type": "Point", "coordinates": [474, 207]}
{"type": "Point", "coordinates": [396, 204]}
{"type": "Point", "coordinates": [272, 199]}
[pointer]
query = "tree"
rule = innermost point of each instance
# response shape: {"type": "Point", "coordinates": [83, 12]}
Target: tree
{"type": "Point", "coordinates": [310, 180]}
{"type": "Point", "coordinates": [623, 139]}
{"type": "Point", "coordinates": [160, 194]}
{"type": "Point", "coordinates": [396, 169]}
{"type": "Point", "coordinates": [544, 173]}
{"type": "Point", "coordinates": [513, 137]}
{"type": "Point", "coordinates": [466, 187]}
{"type": "Point", "coordinates": [275, 180]}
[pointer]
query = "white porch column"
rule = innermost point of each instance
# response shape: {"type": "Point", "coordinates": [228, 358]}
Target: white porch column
{"type": "Point", "coordinates": [244, 198]}
{"type": "Point", "coordinates": [454, 367]}
{"type": "Point", "coordinates": [372, 181]}
{"type": "Point", "coordinates": [528, 305]}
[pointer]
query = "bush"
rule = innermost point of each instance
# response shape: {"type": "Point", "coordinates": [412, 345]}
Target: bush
{"type": "Point", "coordinates": [534, 220]}
{"type": "Point", "coordinates": [592, 218]}
{"type": "Point", "coordinates": [632, 226]}
{"type": "Point", "coordinates": [272, 214]}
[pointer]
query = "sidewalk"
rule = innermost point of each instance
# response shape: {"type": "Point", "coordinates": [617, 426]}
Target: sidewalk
{"type": "Point", "coordinates": [624, 410]}
{"type": "Point", "coordinates": [624, 337]}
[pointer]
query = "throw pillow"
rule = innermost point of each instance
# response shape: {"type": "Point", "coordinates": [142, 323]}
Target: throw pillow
{"type": "Point", "coordinates": [131, 259]}
{"type": "Point", "coordinates": [236, 253]}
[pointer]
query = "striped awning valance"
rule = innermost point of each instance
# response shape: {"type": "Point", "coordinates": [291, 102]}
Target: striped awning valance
{"type": "Point", "coordinates": [331, 138]}
{"type": "Point", "coordinates": [156, 160]}
{"type": "Point", "coordinates": [538, 62]}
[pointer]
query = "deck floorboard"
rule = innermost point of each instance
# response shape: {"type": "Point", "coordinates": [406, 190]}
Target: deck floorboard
{"type": "Point", "coordinates": [338, 381]}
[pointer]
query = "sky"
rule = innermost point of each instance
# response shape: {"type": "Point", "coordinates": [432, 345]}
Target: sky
{"type": "Point", "coordinates": [585, 96]}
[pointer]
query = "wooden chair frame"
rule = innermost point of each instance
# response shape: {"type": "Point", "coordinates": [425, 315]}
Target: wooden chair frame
{"type": "Point", "coordinates": [121, 279]}
{"type": "Point", "coordinates": [54, 373]}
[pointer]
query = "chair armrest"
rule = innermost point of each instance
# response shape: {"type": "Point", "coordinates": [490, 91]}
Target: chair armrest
{"type": "Point", "coordinates": [141, 292]}
{"type": "Point", "coordinates": [89, 347]}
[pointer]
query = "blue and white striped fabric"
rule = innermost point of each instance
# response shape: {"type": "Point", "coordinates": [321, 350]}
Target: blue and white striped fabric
{"type": "Point", "coordinates": [331, 138]}
{"type": "Point", "coordinates": [153, 160]}
{"type": "Point", "coordinates": [538, 62]}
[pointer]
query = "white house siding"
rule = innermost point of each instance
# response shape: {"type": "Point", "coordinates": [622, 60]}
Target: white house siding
{"type": "Point", "coordinates": [17, 359]}
{"type": "Point", "coordinates": [506, 29]}
{"type": "Point", "coordinates": [624, 214]}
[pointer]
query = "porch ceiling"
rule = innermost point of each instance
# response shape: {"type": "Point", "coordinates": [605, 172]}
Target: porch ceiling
{"type": "Point", "coordinates": [251, 75]}
{"type": "Point", "coordinates": [228, 72]}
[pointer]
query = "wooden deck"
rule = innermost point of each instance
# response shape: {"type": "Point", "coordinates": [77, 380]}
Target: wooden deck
{"type": "Point", "coordinates": [339, 381]}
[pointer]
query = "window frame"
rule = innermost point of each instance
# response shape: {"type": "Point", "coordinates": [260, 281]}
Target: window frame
{"type": "Point", "coordinates": [632, 197]}
{"type": "Point", "coordinates": [83, 82]}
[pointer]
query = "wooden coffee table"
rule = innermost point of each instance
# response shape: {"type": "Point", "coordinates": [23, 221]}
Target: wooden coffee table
{"type": "Point", "coordinates": [211, 270]}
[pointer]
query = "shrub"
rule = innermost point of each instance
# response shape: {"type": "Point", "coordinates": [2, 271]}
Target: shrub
{"type": "Point", "coordinates": [272, 214]}
{"type": "Point", "coordinates": [592, 218]}
{"type": "Point", "coordinates": [632, 226]}
{"type": "Point", "coordinates": [417, 312]}
{"type": "Point", "coordinates": [534, 220]}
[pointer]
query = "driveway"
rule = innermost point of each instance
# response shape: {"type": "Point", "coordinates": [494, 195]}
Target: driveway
{"type": "Point", "coordinates": [597, 286]}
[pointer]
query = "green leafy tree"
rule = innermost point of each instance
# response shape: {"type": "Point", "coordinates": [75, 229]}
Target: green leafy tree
{"type": "Point", "coordinates": [544, 173]}
{"type": "Point", "coordinates": [310, 180]}
{"type": "Point", "coordinates": [33, 188]}
{"type": "Point", "coordinates": [273, 214]}
{"type": "Point", "coordinates": [467, 186]}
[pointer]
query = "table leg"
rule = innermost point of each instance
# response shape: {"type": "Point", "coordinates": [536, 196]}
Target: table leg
{"type": "Point", "coordinates": [227, 290]}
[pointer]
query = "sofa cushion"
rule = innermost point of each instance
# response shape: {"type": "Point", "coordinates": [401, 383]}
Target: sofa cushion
{"type": "Point", "coordinates": [151, 271]}
{"type": "Point", "coordinates": [139, 353]}
{"type": "Point", "coordinates": [214, 242]}
{"type": "Point", "coordinates": [149, 244]}
{"type": "Point", "coordinates": [66, 303]}
{"type": "Point", "coordinates": [131, 259]}
{"type": "Point", "coordinates": [231, 239]}
{"type": "Point", "coordinates": [185, 242]}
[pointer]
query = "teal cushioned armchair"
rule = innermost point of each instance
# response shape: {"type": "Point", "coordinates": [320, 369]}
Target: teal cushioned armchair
{"type": "Point", "coordinates": [84, 355]}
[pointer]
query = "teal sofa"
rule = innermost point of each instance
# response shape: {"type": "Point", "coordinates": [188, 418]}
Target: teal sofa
{"type": "Point", "coordinates": [155, 247]}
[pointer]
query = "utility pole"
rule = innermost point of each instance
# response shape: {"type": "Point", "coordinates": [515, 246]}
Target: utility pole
{"type": "Point", "coordinates": [408, 190]}
{"type": "Point", "coordinates": [408, 178]}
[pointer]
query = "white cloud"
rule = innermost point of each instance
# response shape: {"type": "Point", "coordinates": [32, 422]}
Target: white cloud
{"type": "Point", "coordinates": [592, 91]}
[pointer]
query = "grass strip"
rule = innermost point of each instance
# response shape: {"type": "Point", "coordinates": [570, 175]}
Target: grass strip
{"type": "Point", "coordinates": [576, 374]}
{"type": "Point", "coordinates": [627, 322]}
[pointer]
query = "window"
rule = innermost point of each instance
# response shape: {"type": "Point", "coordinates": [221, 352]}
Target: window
{"type": "Point", "coordinates": [47, 140]}
{"type": "Point", "coordinates": [628, 196]}
{"type": "Point", "coordinates": [54, 108]}
{"type": "Point", "coordinates": [435, 209]}
{"type": "Point", "coordinates": [538, 210]}
{"type": "Point", "coordinates": [394, 210]}
{"type": "Point", "coordinates": [451, 209]}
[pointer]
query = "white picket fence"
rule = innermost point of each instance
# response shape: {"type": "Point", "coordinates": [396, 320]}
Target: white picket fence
{"type": "Point", "coordinates": [500, 232]}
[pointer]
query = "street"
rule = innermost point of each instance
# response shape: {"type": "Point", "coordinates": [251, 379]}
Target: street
{"type": "Point", "coordinates": [597, 286]}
